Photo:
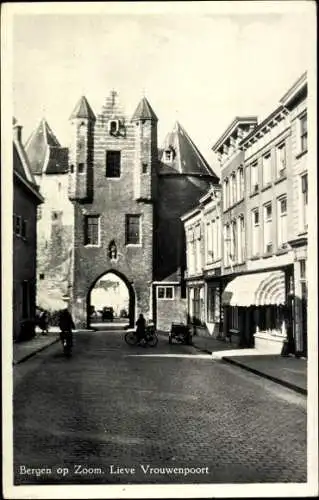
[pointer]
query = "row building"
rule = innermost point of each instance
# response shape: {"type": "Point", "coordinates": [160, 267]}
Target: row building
{"type": "Point", "coordinates": [249, 282]}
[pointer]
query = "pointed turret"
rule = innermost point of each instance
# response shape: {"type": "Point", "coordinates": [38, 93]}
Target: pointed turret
{"type": "Point", "coordinates": [144, 111]}
{"type": "Point", "coordinates": [145, 121]}
{"type": "Point", "coordinates": [81, 151]}
{"type": "Point", "coordinates": [83, 110]}
{"type": "Point", "coordinates": [44, 151]}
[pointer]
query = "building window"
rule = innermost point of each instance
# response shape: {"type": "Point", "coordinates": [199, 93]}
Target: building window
{"type": "Point", "coordinates": [198, 254]}
{"type": "Point", "coordinates": [92, 230]}
{"type": "Point", "coordinates": [267, 228]}
{"type": "Point", "coordinates": [255, 232]}
{"type": "Point", "coordinates": [304, 201]}
{"type": "Point", "coordinates": [132, 229]}
{"type": "Point", "coordinates": [144, 168]}
{"type": "Point", "coordinates": [190, 251]}
{"type": "Point", "coordinates": [241, 239]}
{"type": "Point", "coordinates": [303, 133]}
{"type": "Point", "coordinates": [266, 169]}
{"type": "Point", "coordinates": [165, 292]}
{"type": "Point", "coordinates": [113, 163]}
{"type": "Point", "coordinates": [81, 168]}
{"type": "Point", "coordinates": [198, 305]}
{"type": "Point", "coordinates": [227, 245]}
{"type": "Point", "coordinates": [240, 183]}
{"type": "Point", "coordinates": [282, 222]}
{"type": "Point", "coordinates": [169, 155]}
{"type": "Point", "coordinates": [41, 276]}
{"type": "Point", "coordinates": [54, 215]}
{"type": "Point", "coordinates": [234, 188]}
{"type": "Point", "coordinates": [213, 305]}
{"type": "Point", "coordinates": [281, 160]}
{"type": "Point", "coordinates": [233, 242]}
{"type": "Point", "coordinates": [254, 177]}
{"type": "Point", "coordinates": [71, 169]}
{"type": "Point", "coordinates": [226, 194]}
{"type": "Point", "coordinates": [209, 242]}
{"type": "Point", "coordinates": [215, 238]}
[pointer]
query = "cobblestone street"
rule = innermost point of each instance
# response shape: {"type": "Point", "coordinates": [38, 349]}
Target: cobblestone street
{"type": "Point", "coordinates": [147, 411]}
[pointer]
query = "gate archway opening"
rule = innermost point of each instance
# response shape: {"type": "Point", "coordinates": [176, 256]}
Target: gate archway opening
{"type": "Point", "coordinates": [111, 302]}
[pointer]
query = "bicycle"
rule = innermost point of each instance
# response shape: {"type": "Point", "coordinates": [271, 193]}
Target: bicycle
{"type": "Point", "coordinates": [150, 338]}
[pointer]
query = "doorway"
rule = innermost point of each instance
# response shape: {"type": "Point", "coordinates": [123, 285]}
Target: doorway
{"type": "Point", "coordinates": [111, 302]}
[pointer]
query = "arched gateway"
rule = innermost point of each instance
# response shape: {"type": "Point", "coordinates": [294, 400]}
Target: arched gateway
{"type": "Point", "coordinates": [111, 289]}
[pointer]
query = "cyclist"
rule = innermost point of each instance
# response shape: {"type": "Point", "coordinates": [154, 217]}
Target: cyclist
{"type": "Point", "coordinates": [66, 324]}
{"type": "Point", "coordinates": [141, 328]}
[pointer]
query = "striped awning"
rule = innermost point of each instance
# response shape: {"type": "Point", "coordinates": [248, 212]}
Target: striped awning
{"type": "Point", "coordinates": [260, 289]}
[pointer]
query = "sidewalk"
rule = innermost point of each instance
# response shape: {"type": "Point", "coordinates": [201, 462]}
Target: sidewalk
{"type": "Point", "coordinates": [288, 371]}
{"type": "Point", "coordinates": [24, 350]}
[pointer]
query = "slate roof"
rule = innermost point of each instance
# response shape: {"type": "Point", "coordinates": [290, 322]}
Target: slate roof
{"type": "Point", "coordinates": [83, 110]}
{"type": "Point", "coordinates": [144, 111]}
{"type": "Point", "coordinates": [57, 162]}
{"type": "Point", "coordinates": [187, 159]}
{"type": "Point", "coordinates": [22, 170]}
{"type": "Point", "coordinates": [44, 151]}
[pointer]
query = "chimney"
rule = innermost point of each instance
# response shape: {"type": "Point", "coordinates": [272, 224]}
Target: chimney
{"type": "Point", "coordinates": [17, 131]}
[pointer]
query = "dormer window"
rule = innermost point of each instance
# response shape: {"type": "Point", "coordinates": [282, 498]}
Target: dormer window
{"type": "Point", "coordinates": [169, 154]}
{"type": "Point", "coordinates": [114, 127]}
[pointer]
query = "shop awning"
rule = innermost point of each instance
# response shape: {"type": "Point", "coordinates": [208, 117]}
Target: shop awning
{"type": "Point", "coordinates": [258, 289]}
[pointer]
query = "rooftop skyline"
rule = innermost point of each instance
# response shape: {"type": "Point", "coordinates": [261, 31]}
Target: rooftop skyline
{"type": "Point", "coordinates": [201, 69]}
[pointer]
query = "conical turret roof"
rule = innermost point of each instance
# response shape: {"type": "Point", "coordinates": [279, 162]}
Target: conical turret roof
{"type": "Point", "coordinates": [44, 151]}
{"type": "Point", "coordinates": [184, 157]}
{"type": "Point", "coordinates": [83, 110]}
{"type": "Point", "coordinates": [144, 111]}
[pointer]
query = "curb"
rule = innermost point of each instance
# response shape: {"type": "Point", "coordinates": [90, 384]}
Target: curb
{"type": "Point", "coordinates": [289, 385]}
{"type": "Point", "coordinates": [33, 353]}
{"type": "Point", "coordinates": [205, 351]}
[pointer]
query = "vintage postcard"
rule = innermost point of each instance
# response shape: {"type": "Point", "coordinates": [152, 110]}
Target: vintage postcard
{"type": "Point", "coordinates": [159, 205]}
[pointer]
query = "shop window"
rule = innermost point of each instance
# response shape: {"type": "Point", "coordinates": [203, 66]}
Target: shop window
{"type": "Point", "coordinates": [213, 306]}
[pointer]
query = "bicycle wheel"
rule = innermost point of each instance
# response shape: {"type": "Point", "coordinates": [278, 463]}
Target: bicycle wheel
{"type": "Point", "coordinates": [152, 340]}
{"type": "Point", "coordinates": [131, 338]}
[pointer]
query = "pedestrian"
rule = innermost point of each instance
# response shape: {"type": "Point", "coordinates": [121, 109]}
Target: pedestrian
{"type": "Point", "coordinates": [66, 324]}
{"type": "Point", "coordinates": [140, 327]}
{"type": "Point", "coordinates": [44, 322]}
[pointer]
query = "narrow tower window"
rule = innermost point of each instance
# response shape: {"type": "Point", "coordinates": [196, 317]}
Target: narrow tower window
{"type": "Point", "coordinates": [113, 163]}
{"type": "Point", "coordinates": [144, 168]}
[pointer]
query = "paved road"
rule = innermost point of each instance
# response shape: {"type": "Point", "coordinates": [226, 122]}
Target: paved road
{"type": "Point", "coordinates": [160, 415]}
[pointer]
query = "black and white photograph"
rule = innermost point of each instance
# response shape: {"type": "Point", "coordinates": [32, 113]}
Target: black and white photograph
{"type": "Point", "coordinates": [159, 243]}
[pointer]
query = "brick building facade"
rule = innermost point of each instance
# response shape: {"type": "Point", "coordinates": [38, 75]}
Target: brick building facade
{"type": "Point", "coordinates": [26, 199]}
{"type": "Point", "coordinates": [127, 197]}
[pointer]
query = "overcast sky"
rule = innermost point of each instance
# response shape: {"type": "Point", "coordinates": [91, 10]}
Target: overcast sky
{"type": "Point", "coordinates": [199, 67]}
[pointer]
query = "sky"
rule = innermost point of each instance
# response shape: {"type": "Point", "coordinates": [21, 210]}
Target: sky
{"type": "Point", "coordinates": [201, 67]}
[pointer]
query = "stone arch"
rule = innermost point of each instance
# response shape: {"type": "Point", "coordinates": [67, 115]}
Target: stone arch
{"type": "Point", "coordinates": [131, 293]}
